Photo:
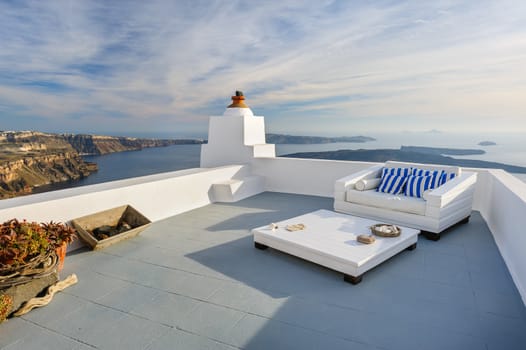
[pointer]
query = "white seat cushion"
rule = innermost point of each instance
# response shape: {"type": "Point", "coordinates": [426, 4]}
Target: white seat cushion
{"type": "Point", "coordinates": [387, 201]}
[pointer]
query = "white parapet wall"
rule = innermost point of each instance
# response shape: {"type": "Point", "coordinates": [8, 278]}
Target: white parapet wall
{"type": "Point", "coordinates": [156, 196]}
{"type": "Point", "coordinates": [502, 204]}
{"type": "Point", "coordinates": [304, 176]}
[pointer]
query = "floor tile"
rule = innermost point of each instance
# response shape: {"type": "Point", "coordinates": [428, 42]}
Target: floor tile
{"type": "Point", "coordinates": [498, 304]}
{"type": "Point", "coordinates": [210, 320]}
{"type": "Point", "coordinates": [176, 339]}
{"type": "Point", "coordinates": [44, 339]}
{"type": "Point", "coordinates": [254, 332]}
{"type": "Point", "coordinates": [129, 296]}
{"type": "Point", "coordinates": [86, 324]}
{"type": "Point", "coordinates": [244, 298]}
{"type": "Point", "coordinates": [61, 306]}
{"type": "Point", "coordinates": [166, 308]}
{"type": "Point", "coordinates": [130, 332]}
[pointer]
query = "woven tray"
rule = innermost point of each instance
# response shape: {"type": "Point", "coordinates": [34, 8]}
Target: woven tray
{"type": "Point", "coordinates": [386, 230]}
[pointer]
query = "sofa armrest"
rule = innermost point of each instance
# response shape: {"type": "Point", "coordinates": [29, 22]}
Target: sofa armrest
{"type": "Point", "coordinates": [341, 185]}
{"type": "Point", "coordinates": [459, 186]}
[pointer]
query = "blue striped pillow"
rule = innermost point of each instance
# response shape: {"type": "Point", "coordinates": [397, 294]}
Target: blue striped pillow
{"type": "Point", "coordinates": [392, 184]}
{"type": "Point", "coordinates": [417, 185]}
{"type": "Point", "coordinates": [436, 176]}
{"type": "Point", "coordinates": [445, 177]}
{"type": "Point", "coordinates": [396, 171]}
{"type": "Point", "coordinates": [423, 172]}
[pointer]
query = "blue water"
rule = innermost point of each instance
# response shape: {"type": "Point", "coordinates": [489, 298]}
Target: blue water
{"type": "Point", "coordinates": [148, 161]}
{"type": "Point", "coordinates": [123, 165]}
{"type": "Point", "coordinates": [510, 149]}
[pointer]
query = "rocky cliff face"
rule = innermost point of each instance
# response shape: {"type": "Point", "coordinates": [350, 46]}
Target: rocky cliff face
{"type": "Point", "coordinates": [29, 158]}
{"type": "Point", "coordinates": [93, 144]}
{"type": "Point", "coordinates": [22, 175]}
{"type": "Point", "coordinates": [96, 144]}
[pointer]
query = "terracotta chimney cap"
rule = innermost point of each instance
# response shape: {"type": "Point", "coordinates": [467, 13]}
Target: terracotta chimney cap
{"type": "Point", "coordinates": [238, 101]}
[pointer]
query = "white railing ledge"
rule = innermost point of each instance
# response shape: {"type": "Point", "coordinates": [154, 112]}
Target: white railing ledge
{"type": "Point", "coordinates": [76, 191]}
{"type": "Point", "coordinates": [156, 196]}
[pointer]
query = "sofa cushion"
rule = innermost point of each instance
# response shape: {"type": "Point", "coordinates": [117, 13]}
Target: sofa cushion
{"type": "Point", "coordinates": [417, 185]}
{"type": "Point", "coordinates": [447, 168]}
{"type": "Point", "coordinates": [425, 172]}
{"type": "Point", "coordinates": [396, 171]}
{"type": "Point", "coordinates": [445, 177]}
{"type": "Point", "coordinates": [400, 203]}
{"type": "Point", "coordinates": [392, 184]}
{"type": "Point", "coordinates": [442, 178]}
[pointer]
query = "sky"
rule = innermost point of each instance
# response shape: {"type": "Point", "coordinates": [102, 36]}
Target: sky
{"type": "Point", "coordinates": [310, 67]}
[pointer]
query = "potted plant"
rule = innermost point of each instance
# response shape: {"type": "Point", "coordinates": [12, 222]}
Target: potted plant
{"type": "Point", "coordinates": [29, 259]}
{"type": "Point", "coordinates": [24, 245]}
{"type": "Point", "coordinates": [59, 236]}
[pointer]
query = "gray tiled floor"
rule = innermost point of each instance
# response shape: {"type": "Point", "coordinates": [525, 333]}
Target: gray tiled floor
{"type": "Point", "coordinates": [194, 281]}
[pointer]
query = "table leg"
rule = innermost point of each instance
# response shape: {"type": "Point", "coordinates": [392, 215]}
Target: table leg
{"type": "Point", "coordinates": [412, 247]}
{"type": "Point", "coordinates": [352, 279]}
{"type": "Point", "coordinates": [432, 236]}
{"type": "Point", "coordinates": [260, 246]}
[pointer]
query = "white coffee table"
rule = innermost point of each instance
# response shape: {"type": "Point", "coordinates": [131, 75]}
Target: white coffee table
{"type": "Point", "coordinates": [329, 239]}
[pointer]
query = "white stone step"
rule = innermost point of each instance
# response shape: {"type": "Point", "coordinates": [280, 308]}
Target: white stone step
{"type": "Point", "coordinates": [233, 190]}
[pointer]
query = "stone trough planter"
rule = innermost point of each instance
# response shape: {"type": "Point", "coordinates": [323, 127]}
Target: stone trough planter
{"type": "Point", "coordinates": [110, 226]}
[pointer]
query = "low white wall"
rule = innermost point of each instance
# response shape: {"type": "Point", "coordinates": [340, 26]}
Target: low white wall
{"type": "Point", "coordinates": [304, 176]}
{"type": "Point", "coordinates": [157, 196]}
{"type": "Point", "coordinates": [504, 208]}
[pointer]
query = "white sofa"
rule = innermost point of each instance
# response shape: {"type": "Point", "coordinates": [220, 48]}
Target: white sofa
{"type": "Point", "coordinates": [439, 208]}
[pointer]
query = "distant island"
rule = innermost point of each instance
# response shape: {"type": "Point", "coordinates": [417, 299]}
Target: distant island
{"type": "Point", "coordinates": [442, 151]}
{"type": "Point", "coordinates": [29, 159]}
{"type": "Point", "coordinates": [409, 154]}
{"type": "Point", "coordinates": [487, 143]}
{"type": "Point", "coordinates": [291, 139]}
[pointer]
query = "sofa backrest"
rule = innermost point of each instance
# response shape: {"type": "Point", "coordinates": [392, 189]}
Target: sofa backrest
{"type": "Point", "coordinates": [447, 168]}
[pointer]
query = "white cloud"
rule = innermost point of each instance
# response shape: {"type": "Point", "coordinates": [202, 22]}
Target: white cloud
{"type": "Point", "coordinates": [170, 62]}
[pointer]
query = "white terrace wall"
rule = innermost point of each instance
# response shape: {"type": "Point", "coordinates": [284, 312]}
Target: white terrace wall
{"type": "Point", "coordinates": [317, 176]}
{"type": "Point", "coordinates": [156, 196]}
{"type": "Point", "coordinates": [304, 176]}
{"type": "Point", "coordinates": [502, 203]}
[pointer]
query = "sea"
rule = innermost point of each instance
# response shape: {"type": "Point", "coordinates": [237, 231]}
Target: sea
{"type": "Point", "coordinates": [123, 165]}
{"type": "Point", "coordinates": [509, 149]}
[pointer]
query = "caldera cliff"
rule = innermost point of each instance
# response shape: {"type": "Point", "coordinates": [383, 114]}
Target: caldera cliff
{"type": "Point", "coordinates": [29, 159]}
{"type": "Point", "coordinates": [98, 144]}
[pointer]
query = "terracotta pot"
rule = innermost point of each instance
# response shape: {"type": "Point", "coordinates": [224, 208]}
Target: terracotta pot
{"type": "Point", "coordinates": [61, 252]}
